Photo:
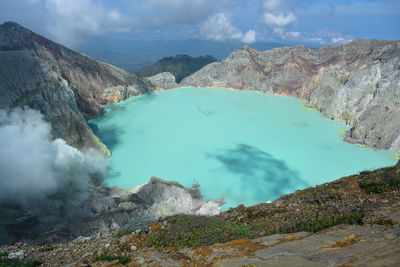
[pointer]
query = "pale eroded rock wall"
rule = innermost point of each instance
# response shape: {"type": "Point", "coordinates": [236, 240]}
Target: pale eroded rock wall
{"type": "Point", "coordinates": [357, 82]}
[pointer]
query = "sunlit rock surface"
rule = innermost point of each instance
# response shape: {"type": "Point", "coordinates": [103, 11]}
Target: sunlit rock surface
{"type": "Point", "coordinates": [164, 80]}
{"type": "Point", "coordinates": [67, 87]}
{"type": "Point", "coordinates": [357, 82]}
{"type": "Point", "coordinates": [111, 210]}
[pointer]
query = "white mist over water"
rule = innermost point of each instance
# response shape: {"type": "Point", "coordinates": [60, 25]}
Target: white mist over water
{"type": "Point", "coordinates": [244, 147]}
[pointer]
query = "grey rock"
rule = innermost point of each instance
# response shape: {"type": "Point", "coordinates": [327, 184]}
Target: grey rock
{"type": "Point", "coordinates": [16, 255]}
{"type": "Point", "coordinates": [357, 83]}
{"type": "Point", "coordinates": [164, 80]}
{"type": "Point", "coordinates": [116, 209]}
{"type": "Point", "coordinates": [67, 87]}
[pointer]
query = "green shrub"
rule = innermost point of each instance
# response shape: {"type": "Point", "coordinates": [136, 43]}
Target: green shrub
{"type": "Point", "coordinates": [19, 263]}
{"type": "Point", "coordinates": [321, 223]}
{"type": "Point", "coordinates": [124, 233]}
{"type": "Point", "coordinates": [124, 260]}
{"type": "Point", "coordinates": [194, 231]}
{"type": "Point", "coordinates": [381, 183]}
{"type": "Point", "coordinates": [107, 257]}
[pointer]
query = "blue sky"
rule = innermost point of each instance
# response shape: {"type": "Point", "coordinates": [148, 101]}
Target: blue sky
{"type": "Point", "coordinates": [319, 22]}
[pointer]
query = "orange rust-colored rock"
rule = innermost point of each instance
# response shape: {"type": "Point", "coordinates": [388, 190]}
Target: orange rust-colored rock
{"type": "Point", "coordinates": [343, 243]}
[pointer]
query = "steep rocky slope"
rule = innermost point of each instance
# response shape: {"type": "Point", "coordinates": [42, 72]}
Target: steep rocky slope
{"type": "Point", "coordinates": [353, 221]}
{"type": "Point", "coordinates": [164, 80]}
{"type": "Point", "coordinates": [357, 82]}
{"type": "Point", "coordinates": [67, 87]}
{"type": "Point", "coordinates": [106, 210]}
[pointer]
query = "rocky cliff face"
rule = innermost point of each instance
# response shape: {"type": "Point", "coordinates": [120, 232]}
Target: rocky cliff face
{"type": "Point", "coordinates": [106, 210]}
{"type": "Point", "coordinates": [353, 221]}
{"type": "Point", "coordinates": [67, 87]}
{"type": "Point", "coordinates": [164, 80]}
{"type": "Point", "coordinates": [357, 82]}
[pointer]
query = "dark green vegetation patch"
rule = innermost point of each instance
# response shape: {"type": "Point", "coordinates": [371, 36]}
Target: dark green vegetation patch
{"type": "Point", "coordinates": [124, 233]}
{"type": "Point", "coordinates": [380, 181]}
{"type": "Point", "coordinates": [180, 66]}
{"type": "Point", "coordinates": [4, 262]}
{"type": "Point", "coordinates": [107, 257]}
{"type": "Point", "coordinates": [194, 231]}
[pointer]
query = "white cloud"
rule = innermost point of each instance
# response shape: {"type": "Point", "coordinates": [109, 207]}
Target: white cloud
{"type": "Point", "coordinates": [294, 34]}
{"type": "Point", "coordinates": [72, 20]}
{"type": "Point", "coordinates": [172, 12]}
{"type": "Point", "coordinates": [249, 37]}
{"type": "Point", "coordinates": [219, 28]}
{"type": "Point", "coordinates": [272, 4]}
{"type": "Point", "coordinates": [315, 40]}
{"type": "Point", "coordinates": [280, 20]}
{"type": "Point", "coordinates": [336, 40]}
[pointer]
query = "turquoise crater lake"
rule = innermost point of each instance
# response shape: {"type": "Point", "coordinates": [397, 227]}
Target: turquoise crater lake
{"type": "Point", "coordinates": [245, 147]}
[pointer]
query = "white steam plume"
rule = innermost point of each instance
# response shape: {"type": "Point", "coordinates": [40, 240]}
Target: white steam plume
{"type": "Point", "coordinates": [32, 166]}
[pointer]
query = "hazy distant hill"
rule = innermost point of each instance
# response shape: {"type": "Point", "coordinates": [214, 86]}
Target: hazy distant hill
{"type": "Point", "coordinates": [180, 66]}
{"type": "Point", "coordinates": [133, 55]}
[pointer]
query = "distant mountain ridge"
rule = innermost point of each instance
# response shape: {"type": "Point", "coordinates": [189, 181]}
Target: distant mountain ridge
{"type": "Point", "coordinates": [180, 66]}
{"type": "Point", "coordinates": [133, 55]}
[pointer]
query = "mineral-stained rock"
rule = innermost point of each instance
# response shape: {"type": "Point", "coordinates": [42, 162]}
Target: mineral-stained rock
{"type": "Point", "coordinates": [357, 82]}
{"type": "Point", "coordinates": [164, 80]}
{"type": "Point", "coordinates": [114, 209]}
{"type": "Point", "coordinates": [67, 87]}
{"type": "Point", "coordinates": [374, 241]}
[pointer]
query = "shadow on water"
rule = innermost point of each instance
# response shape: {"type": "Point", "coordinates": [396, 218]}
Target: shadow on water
{"type": "Point", "coordinates": [109, 136]}
{"type": "Point", "coordinates": [260, 172]}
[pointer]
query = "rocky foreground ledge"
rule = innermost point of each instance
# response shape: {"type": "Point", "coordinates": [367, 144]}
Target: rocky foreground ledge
{"type": "Point", "coordinates": [107, 210]}
{"type": "Point", "coordinates": [353, 221]}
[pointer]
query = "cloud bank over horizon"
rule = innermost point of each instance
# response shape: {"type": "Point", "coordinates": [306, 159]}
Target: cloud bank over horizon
{"type": "Point", "coordinates": [321, 22]}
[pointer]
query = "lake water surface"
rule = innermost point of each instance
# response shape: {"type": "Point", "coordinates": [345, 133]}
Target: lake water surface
{"type": "Point", "coordinates": [245, 147]}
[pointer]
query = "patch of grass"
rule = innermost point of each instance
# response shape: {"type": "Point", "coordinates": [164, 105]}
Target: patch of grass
{"type": "Point", "coordinates": [124, 233]}
{"type": "Point", "coordinates": [195, 231]}
{"type": "Point", "coordinates": [19, 263]}
{"type": "Point", "coordinates": [380, 182]}
{"type": "Point", "coordinates": [327, 221]}
{"type": "Point", "coordinates": [124, 260]}
{"type": "Point", "coordinates": [282, 210]}
{"type": "Point", "coordinates": [107, 257]}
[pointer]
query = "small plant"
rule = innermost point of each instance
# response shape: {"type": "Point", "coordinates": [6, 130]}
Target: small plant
{"type": "Point", "coordinates": [194, 231]}
{"type": "Point", "coordinates": [124, 233]}
{"type": "Point", "coordinates": [19, 263]}
{"type": "Point", "coordinates": [321, 223]}
{"type": "Point", "coordinates": [379, 183]}
{"type": "Point", "coordinates": [107, 257]}
{"type": "Point", "coordinates": [124, 260]}
{"type": "Point", "coordinates": [4, 254]}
